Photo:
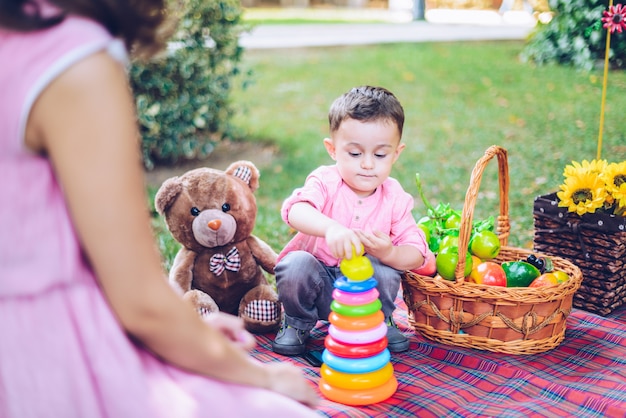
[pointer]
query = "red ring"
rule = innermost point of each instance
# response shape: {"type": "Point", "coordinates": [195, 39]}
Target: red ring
{"type": "Point", "coordinates": [354, 350]}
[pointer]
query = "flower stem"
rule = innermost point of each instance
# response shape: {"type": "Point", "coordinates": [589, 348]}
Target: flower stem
{"type": "Point", "coordinates": [604, 83]}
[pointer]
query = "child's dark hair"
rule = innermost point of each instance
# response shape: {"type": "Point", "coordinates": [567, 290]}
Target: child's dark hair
{"type": "Point", "coordinates": [366, 103]}
{"type": "Point", "coordinates": [137, 22]}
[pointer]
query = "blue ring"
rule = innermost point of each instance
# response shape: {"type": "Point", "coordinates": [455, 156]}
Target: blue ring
{"type": "Point", "coordinates": [356, 365]}
{"type": "Point", "coordinates": [342, 283]}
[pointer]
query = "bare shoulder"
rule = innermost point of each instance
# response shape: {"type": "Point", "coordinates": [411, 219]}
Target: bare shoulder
{"type": "Point", "coordinates": [77, 96]}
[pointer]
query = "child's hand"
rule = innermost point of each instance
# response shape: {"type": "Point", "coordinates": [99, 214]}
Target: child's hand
{"type": "Point", "coordinates": [232, 327]}
{"type": "Point", "coordinates": [341, 241]}
{"type": "Point", "coordinates": [377, 244]}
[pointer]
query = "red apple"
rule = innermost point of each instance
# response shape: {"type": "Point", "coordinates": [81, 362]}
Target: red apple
{"type": "Point", "coordinates": [429, 268]}
{"type": "Point", "coordinates": [489, 273]}
{"type": "Point", "coordinates": [546, 279]}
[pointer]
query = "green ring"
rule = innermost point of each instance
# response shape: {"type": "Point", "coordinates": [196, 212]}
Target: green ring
{"type": "Point", "coordinates": [356, 310]}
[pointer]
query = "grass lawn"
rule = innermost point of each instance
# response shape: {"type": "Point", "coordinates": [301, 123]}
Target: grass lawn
{"type": "Point", "coordinates": [459, 98]}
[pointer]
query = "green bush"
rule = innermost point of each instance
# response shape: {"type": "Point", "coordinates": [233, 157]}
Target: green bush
{"type": "Point", "coordinates": [183, 98]}
{"type": "Point", "coordinates": [575, 36]}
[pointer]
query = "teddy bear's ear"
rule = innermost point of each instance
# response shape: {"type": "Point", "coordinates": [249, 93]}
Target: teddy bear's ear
{"type": "Point", "coordinates": [246, 171]}
{"type": "Point", "coordinates": [167, 193]}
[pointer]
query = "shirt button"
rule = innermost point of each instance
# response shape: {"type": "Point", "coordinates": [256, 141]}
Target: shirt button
{"type": "Point", "coordinates": [357, 218]}
{"type": "Point", "coordinates": [360, 202]}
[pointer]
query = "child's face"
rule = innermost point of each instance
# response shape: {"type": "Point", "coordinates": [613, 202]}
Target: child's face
{"type": "Point", "coordinates": [365, 153]}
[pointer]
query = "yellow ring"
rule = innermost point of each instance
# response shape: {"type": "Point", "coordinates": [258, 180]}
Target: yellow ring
{"type": "Point", "coordinates": [356, 381]}
{"type": "Point", "coordinates": [359, 397]}
{"type": "Point", "coordinates": [357, 269]}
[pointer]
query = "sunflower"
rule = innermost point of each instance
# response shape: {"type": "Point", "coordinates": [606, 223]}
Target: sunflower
{"type": "Point", "coordinates": [595, 167]}
{"type": "Point", "coordinates": [582, 192]}
{"type": "Point", "coordinates": [614, 177]}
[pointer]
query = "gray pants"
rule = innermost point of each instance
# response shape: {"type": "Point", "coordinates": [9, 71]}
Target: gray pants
{"type": "Point", "coordinates": [305, 287]}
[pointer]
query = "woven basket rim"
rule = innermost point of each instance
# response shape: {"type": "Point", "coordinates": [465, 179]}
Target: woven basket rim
{"type": "Point", "coordinates": [471, 195]}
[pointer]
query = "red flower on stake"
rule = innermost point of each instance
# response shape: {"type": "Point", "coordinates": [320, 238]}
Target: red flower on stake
{"type": "Point", "coordinates": [615, 18]}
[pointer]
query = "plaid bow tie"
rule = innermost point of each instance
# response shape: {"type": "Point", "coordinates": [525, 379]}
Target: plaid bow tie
{"type": "Point", "coordinates": [231, 262]}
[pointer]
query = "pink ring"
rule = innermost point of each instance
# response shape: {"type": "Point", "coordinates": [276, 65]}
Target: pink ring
{"type": "Point", "coordinates": [358, 337]}
{"type": "Point", "coordinates": [352, 299]}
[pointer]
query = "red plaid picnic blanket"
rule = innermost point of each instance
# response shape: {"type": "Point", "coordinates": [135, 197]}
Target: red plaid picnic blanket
{"type": "Point", "coordinates": [585, 376]}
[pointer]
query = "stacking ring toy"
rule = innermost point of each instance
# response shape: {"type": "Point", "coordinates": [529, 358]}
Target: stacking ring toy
{"type": "Point", "coordinates": [346, 285]}
{"type": "Point", "coordinates": [356, 310]}
{"type": "Point", "coordinates": [358, 268]}
{"type": "Point", "coordinates": [356, 365]}
{"type": "Point", "coordinates": [359, 397]}
{"type": "Point", "coordinates": [356, 381]}
{"type": "Point", "coordinates": [352, 298]}
{"type": "Point", "coordinates": [354, 351]}
{"type": "Point", "coordinates": [356, 323]}
{"type": "Point", "coordinates": [358, 337]}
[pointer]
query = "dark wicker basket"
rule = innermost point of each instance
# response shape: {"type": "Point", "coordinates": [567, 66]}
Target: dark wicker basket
{"type": "Point", "coordinates": [511, 320]}
{"type": "Point", "coordinates": [595, 242]}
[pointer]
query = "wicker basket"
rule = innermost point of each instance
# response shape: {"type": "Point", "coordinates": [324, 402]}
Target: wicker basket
{"type": "Point", "coordinates": [512, 320]}
{"type": "Point", "coordinates": [596, 242]}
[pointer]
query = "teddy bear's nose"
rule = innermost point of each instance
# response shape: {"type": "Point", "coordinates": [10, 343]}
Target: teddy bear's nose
{"type": "Point", "coordinates": [215, 224]}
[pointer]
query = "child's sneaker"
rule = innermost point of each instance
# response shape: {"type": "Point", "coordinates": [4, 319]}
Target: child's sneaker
{"type": "Point", "coordinates": [397, 342]}
{"type": "Point", "coordinates": [290, 341]}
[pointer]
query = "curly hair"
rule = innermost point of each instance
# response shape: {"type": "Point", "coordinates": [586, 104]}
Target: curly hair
{"type": "Point", "coordinates": [140, 23]}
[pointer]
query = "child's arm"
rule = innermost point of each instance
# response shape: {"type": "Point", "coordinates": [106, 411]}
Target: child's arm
{"type": "Point", "coordinates": [85, 122]}
{"type": "Point", "coordinates": [401, 257]}
{"type": "Point", "coordinates": [308, 220]}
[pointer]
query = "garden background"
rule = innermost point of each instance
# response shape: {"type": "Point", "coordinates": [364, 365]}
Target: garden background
{"type": "Point", "coordinates": [459, 98]}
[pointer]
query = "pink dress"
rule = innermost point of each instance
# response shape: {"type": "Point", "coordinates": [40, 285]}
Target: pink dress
{"type": "Point", "coordinates": [62, 351]}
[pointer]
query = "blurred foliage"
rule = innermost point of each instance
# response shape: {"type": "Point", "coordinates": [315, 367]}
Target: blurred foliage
{"type": "Point", "coordinates": [459, 99]}
{"type": "Point", "coordinates": [575, 37]}
{"type": "Point", "coordinates": [183, 98]}
{"type": "Point", "coordinates": [168, 246]}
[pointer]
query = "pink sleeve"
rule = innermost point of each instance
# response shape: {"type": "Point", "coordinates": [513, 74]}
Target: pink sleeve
{"type": "Point", "coordinates": [314, 192]}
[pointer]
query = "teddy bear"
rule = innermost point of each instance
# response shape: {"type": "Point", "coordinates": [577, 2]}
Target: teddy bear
{"type": "Point", "coordinates": [220, 264]}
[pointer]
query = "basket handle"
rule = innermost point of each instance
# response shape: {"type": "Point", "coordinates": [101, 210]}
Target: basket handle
{"type": "Point", "coordinates": [467, 214]}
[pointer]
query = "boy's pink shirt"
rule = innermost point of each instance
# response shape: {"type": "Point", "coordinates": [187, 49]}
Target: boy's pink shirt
{"type": "Point", "coordinates": [387, 210]}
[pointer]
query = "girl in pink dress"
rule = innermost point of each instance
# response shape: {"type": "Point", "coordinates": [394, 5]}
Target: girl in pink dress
{"type": "Point", "coordinates": [89, 326]}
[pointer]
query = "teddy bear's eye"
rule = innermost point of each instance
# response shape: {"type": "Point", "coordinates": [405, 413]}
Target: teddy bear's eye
{"type": "Point", "coordinates": [195, 211]}
{"type": "Point", "coordinates": [225, 207]}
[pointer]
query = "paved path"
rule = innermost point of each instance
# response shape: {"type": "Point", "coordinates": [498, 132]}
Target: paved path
{"type": "Point", "coordinates": [336, 34]}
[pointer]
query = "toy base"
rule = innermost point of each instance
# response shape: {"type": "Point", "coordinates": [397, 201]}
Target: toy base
{"type": "Point", "coordinates": [359, 397]}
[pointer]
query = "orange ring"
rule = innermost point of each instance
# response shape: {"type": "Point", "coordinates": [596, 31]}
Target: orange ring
{"type": "Point", "coordinates": [356, 381]}
{"type": "Point", "coordinates": [356, 323]}
{"type": "Point", "coordinates": [359, 397]}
